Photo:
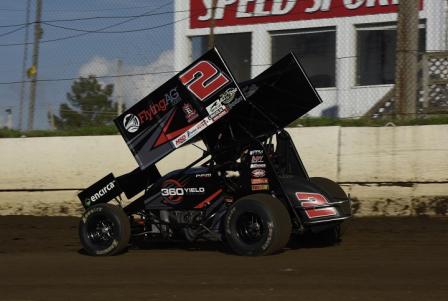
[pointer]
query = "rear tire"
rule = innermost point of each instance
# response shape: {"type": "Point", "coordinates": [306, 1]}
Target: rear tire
{"type": "Point", "coordinates": [257, 225]}
{"type": "Point", "coordinates": [104, 230]}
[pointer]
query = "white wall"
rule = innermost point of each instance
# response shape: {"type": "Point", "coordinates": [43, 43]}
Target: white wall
{"type": "Point", "coordinates": [403, 164]}
{"type": "Point", "coordinates": [359, 154]}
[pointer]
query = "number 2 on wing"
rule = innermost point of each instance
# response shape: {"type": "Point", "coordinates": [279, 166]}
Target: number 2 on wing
{"type": "Point", "coordinates": [203, 79]}
{"type": "Point", "coordinates": [311, 200]}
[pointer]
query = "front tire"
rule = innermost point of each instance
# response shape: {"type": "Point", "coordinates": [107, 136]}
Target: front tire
{"type": "Point", "coordinates": [257, 225]}
{"type": "Point", "coordinates": [104, 229]}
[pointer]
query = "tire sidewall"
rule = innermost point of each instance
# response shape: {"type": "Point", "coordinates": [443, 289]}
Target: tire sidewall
{"type": "Point", "coordinates": [89, 246]}
{"type": "Point", "coordinates": [232, 234]}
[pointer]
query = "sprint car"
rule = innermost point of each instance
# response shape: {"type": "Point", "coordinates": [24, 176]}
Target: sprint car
{"type": "Point", "coordinates": [249, 189]}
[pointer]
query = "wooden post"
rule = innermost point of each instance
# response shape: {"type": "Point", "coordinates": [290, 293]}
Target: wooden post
{"type": "Point", "coordinates": [407, 59]}
{"type": "Point", "coordinates": [211, 36]}
{"type": "Point", "coordinates": [37, 37]}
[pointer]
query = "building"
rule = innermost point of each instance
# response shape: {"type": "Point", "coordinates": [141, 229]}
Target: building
{"type": "Point", "coordinates": [347, 47]}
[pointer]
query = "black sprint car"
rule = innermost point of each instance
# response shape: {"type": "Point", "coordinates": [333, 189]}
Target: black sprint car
{"type": "Point", "coordinates": [249, 189]}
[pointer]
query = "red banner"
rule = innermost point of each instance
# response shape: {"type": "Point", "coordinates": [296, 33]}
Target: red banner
{"type": "Point", "coordinates": [240, 12]}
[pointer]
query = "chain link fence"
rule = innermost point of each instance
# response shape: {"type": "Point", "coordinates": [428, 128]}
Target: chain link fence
{"type": "Point", "coordinates": [128, 44]}
{"type": "Point", "coordinates": [347, 47]}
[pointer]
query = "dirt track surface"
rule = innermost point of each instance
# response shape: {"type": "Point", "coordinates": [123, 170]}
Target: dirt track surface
{"type": "Point", "coordinates": [379, 259]}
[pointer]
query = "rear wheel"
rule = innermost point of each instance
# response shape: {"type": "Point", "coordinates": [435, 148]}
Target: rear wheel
{"type": "Point", "coordinates": [256, 225]}
{"type": "Point", "coordinates": [104, 229]}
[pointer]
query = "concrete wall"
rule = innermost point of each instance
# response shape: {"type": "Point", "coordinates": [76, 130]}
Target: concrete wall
{"type": "Point", "coordinates": [387, 170]}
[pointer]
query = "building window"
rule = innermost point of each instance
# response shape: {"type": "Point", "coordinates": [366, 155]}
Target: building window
{"type": "Point", "coordinates": [376, 45]}
{"type": "Point", "coordinates": [315, 49]}
{"type": "Point", "coordinates": [235, 49]}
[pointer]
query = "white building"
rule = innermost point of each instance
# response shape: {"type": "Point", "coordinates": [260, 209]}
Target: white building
{"type": "Point", "coordinates": [347, 47]}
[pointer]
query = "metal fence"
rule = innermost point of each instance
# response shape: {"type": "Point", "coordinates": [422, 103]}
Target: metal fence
{"type": "Point", "coordinates": [350, 59]}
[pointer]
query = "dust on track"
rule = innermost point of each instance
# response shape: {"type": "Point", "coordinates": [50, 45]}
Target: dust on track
{"type": "Point", "coordinates": [378, 259]}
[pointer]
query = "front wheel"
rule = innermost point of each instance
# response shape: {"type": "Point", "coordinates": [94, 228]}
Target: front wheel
{"type": "Point", "coordinates": [256, 225]}
{"type": "Point", "coordinates": [104, 229]}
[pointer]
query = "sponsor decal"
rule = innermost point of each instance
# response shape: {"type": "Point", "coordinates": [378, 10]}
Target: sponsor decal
{"type": "Point", "coordinates": [193, 131]}
{"type": "Point", "coordinates": [172, 97]}
{"type": "Point", "coordinates": [173, 191]}
{"type": "Point", "coordinates": [258, 173]}
{"type": "Point", "coordinates": [203, 79]}
{"type": "Point", "coordinates": [221, 112]}
{"type": "Point", "coordinates": [100, 193]}
{"type": "Point", "coordinates": [256, 152]}
{"type": "Point", "coordinates": [203, 175]}
{"type": "Point", "coordinates": [260, 187]}
{"type": "Point", "coordinates": [197, 128]}
{"type": "Point", "coordinates": [112, 246]}
{"type": "Point", "coordinates": [228, 96]}
{"type": "Point", "coordinates": [257, 166]}
{"type": "Point", "coordinates": [257, 159]}
{"type": "Point", "coordinates": [240, 12]}
{"type": "Point", "coordinates": [153, 110]}
{"type": "Point", "coordinates": [182, 191]}
{"type": "Point", "coordinates": [311, 200]}
{"type": "Point", "coordinates": [180, 140]}
{"type": "Point", "coordinates": [214, 107]}
{"type": "Point", "coordinates": [259, 181]}
{"type": "Point", "coordinates": [90, 212]}
{"type": "Point", "coordinates": [216, 110]}
{"type": "Point", "coordinates": [131, 123]}
{"type": "Point", "coordinates": [190, 112]}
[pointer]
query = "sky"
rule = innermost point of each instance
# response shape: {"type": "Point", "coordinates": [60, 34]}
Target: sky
{"type": "Point", "coordinates": [147, 47]}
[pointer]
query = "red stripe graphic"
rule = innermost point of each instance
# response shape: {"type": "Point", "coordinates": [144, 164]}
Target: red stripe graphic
{"type": "Point", "coordinates": [165, 137]}
{"type": "Point", "coordinates": [208, 200]}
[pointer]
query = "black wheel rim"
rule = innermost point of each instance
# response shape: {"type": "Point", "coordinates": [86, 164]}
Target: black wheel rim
{"type": "Point", "coordinates": [250, 227]}
{"type": "Point", "coordinates": [101, 230]}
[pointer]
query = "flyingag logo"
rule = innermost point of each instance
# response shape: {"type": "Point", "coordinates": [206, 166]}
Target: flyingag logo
{"type": "Point", "coordinates": [153, 110]}
{"type": "Point", "coordinates": [133, 122]}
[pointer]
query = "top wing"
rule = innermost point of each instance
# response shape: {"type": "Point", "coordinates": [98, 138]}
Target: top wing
{"type": "Point", "coordinates": [180, 109]}
{"type": "Point", "coordinates": [275, 98]}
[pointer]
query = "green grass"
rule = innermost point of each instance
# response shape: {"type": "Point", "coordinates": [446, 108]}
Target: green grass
{"type": "Point", "coordinates": [351, 122]}
{"type": "Point", "coordinates": [305, 122]}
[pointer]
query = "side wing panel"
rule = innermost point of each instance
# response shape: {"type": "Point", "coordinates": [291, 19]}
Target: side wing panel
{"type": "Point", "coordinates": [275, 98]}
{"type": "Point", "coordinates": [180, 109]}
